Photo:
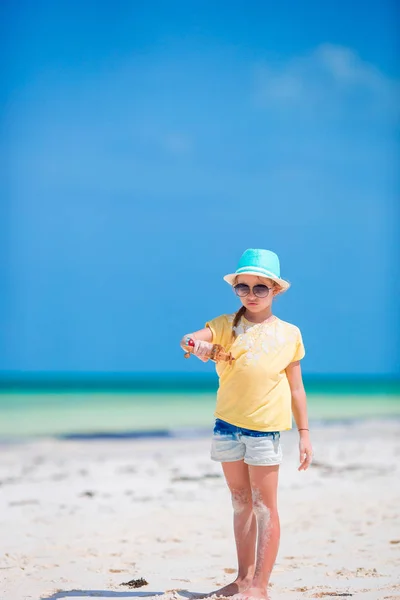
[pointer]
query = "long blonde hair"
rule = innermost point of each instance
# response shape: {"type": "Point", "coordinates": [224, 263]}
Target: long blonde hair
{"type": "Point", "coordinates": [236, 319]}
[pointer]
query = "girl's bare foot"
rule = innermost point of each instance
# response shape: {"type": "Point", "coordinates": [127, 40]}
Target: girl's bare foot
{"type": "Point", "coordinates": [252, 592]}
{"type": "Point", "coordinates": [236, 587]}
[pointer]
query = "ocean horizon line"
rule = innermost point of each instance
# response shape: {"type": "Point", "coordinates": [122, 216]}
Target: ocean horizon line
{"type": "Point", "coordinates": [193, 382]}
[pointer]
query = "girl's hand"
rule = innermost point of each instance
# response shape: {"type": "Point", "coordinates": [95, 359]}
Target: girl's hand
{"type": "Point", "coordinates": [305, 450]}
{"type": "Point", "coordinates": [202, 350]}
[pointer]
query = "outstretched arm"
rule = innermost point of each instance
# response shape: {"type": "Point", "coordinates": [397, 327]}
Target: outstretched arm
{"type": "Point", "coordinates": [204, 335]}
{"type": "Point", "coordinates": [202, 343]}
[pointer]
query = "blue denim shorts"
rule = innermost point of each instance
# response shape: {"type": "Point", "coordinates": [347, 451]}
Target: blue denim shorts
{"type": "Point", "coordinates": [257, 448]}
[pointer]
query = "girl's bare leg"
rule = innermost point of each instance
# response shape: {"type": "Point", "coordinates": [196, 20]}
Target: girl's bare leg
{"type": "Point", "coordinates": [264, 485]}
{"type": "Point", "coordinates": [244, 523]}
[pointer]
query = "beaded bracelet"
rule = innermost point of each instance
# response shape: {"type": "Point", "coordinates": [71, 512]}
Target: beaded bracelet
{"type": "Point", "coordinates": [303, 429]}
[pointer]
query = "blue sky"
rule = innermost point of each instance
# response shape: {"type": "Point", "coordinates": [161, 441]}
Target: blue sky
{"type": "Point", "coordinates": [146, 146]}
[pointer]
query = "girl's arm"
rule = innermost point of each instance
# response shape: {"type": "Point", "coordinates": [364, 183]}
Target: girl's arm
{"type": "Point", "coordinates": [203, 335]}
{"type": "Point", "coordinates": [299, 409]}
{"type": "Point", "coordinates": [202, 343]}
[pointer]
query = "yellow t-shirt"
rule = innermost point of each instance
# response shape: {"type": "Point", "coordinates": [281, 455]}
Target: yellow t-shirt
{"type": "Point", "coordinates": [254, 391]}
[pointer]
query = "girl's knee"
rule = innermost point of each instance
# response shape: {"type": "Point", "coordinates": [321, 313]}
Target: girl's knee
{"type": "Point", "coordinates": [261, 508]}
{"type": "Point", "coordinates": [241, 500]}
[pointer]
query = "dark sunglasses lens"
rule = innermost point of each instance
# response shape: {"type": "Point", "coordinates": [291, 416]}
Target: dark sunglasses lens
{"type": "Point", "coordinates": [261, 291]}
{"type": "Point", "coordinates": [242, 289]}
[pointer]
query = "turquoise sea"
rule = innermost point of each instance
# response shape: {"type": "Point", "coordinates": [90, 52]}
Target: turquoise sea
{"type": "Point", "coordinates": [163, 406]}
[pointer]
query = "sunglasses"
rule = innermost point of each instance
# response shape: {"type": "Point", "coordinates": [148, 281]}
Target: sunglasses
{"type": "Point", "coordinates": [260, 290]}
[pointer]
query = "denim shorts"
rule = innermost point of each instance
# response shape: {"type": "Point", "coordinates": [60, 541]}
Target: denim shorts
{"type": "Point", "coordinates": [257, 448]}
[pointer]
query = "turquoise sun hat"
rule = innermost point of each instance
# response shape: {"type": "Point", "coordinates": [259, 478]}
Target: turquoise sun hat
{"type": "Point", "coordinates": [256, 261]}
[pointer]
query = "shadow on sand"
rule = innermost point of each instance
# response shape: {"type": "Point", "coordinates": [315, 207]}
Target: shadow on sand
{"type": "Point", "coordinates": [112, 594]}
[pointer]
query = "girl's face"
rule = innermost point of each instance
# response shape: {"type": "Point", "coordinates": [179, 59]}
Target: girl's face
{"type": "Point", "coordinates": [254, 300]}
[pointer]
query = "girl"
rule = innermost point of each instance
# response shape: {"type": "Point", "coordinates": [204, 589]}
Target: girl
{"type": "Point", "coordinates": [256, 396]}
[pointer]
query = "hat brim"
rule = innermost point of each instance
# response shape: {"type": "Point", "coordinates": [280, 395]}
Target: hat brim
{"type": "Point", "coordinates": [285, 285]}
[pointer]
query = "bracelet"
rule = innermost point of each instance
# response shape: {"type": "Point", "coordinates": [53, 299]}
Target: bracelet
{"type": "Point", "coordinates": [303, 429]}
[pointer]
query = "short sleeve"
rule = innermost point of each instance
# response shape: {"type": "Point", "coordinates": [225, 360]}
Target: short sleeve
{"type": "Point", "coordinates": [300, 350]}
{"type": "Point", "coordinates": [221, 328]}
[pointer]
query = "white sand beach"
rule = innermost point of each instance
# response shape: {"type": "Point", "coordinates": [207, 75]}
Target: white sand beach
{"type": "Point", "coordinates": [79, 518]}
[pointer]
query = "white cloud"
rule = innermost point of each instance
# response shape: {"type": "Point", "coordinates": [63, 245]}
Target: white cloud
{"type": "Point", "coordinates": [328, 77]}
